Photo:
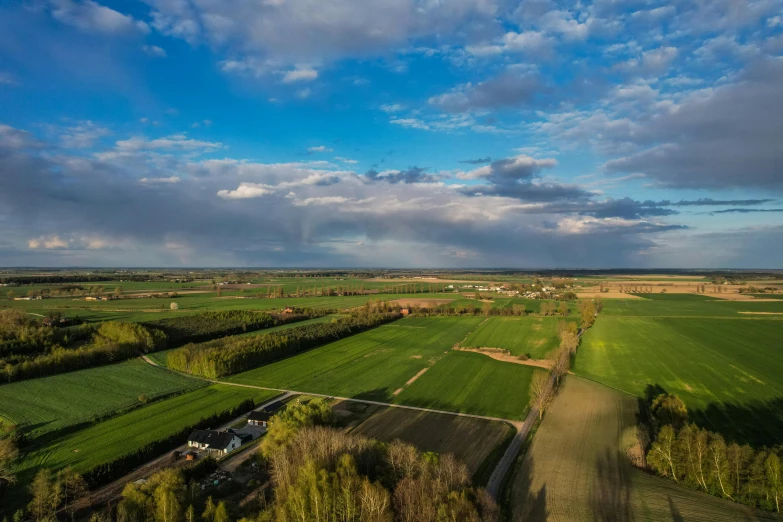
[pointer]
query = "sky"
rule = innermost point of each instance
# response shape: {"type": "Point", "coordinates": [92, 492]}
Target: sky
{"type": "Point", "coordinates": [392, 133]}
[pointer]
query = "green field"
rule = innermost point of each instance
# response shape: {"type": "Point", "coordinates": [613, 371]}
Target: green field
{"type": "Point", "coordinates": [688, 305]}
{"type": "Point", "coordinates": [369, 365]}
{"type": "Point", "coordinates": [472, 383]}
{"type": "Point", "coordinates": [150, 309]}
{"type": "Point", "coordinates": [577, 468]}
{"type": "Point", "coordinates": [42, 405]}
{"type": "Point", "coordinates": [729, 372]}
{"type": "Point", "coordinates": [115, 437]}
{"type": "Point", "coordinates": [535, 336]}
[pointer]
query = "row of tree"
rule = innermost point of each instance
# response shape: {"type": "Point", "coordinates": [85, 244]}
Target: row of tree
{"type": "Point", "coordinates": [206, 326]}
{"type": "Point", "coordinates": [111, 342]}
{"type": "Point", "coordinates": [230, 355]}
{"type": "Point", "coordinates": [700, 459]}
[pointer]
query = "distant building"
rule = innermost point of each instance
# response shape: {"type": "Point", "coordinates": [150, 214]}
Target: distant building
{"type": "Point", "coordinates": [220, 442]}
{"type": "Point", "coordinates": [288, 310]}
{"type": "Point", "coordinates": [405, 311]}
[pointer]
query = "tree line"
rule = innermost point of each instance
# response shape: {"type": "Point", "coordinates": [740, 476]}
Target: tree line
{"type": "Point", "coordinates": [230, 355]}
{"type": "Point", "coordinates": [206, 326]}
{"type": "Point", "coordinates": [110, 342]}
{"type": "Point", "coordinates": [700, 459]}
{"type": "Point", "coordinates": [543, 385]}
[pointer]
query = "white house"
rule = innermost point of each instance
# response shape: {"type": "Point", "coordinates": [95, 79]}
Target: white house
{"type": "Point", "coordinates": [259, 418]}
{"type": "Point", "coordinates": [221, 442]}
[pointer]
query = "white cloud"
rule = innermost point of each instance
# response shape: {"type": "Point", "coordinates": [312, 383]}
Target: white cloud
{"type": "Point", "coordinates": [346, 160]}
{"type": "Point", "coordinates": [411, 123]}
{"type": "Point", "coordinates": [160, 181]}
{"type": "Point", "coordinates": [319, 148]}
{"type": "Point", "coordinates": [175, 141]}
{"type": "Point", "coordinates": [391, 108]}
{"type": "Point", "coordinates": [154, 50]}
{"type": "Point", "coordinates": [247, 190]}
{"type": "Point", "coordinates": [300, 74]}
{"type": "Point", "coordinates": [92, 17]}
{"type": "Point", "coordinates": [83, 135]}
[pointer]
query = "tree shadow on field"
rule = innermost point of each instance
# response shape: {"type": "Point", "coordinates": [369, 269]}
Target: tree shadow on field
{"type": "Point", "coordinates": [755, 422]}
{"type": "Point", "coordinates": [528, 506]}
{"type": "Point", "coordinates": [611, 496]}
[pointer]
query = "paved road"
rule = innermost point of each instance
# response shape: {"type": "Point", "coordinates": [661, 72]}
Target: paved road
{"type": "Point", "coordinates": [496, 479]}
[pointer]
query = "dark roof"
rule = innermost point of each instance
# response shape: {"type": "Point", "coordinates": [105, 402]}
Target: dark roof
{"type": "Point", "coordinates": [259, 416]}
{"type": "Point", "coordinates": [215, 439]}
{"type": "Point", "coordinates": [273, 407]}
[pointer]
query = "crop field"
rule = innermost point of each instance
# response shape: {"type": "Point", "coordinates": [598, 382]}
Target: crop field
{"type": "Point", "coordinates": [470, 440]}
{"type": "Point", "coordinates": [729, 372]}
{"type": "Point", "coordinates": [535, 336]}
{"type": "Point", "coordinates": [690, 305]}
{"type": "Point", "coordinates": [472, 383]}
{"type": "Point", "coordinates": [150, 309]}
{"type": "Point", "coordinates": [324, 319]}
{"type": "Point", "coordinates": [371, 365]}
{"type": "Point", "coordinates": [43, 405]}
{"type": "Point", "coordinates": [118, 436]}
{"type": "Point", "coordinates": [577, 468]}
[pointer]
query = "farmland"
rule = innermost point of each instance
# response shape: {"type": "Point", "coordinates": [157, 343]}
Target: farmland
{"type": "Point", "coordinates": [535, 336]}
{"type": "Point", "coordinates": [43, 405]}
{"type": "Point", "coordinates": [729, 372]}
{"type": "Point", "coordinates": [577, 469]}
{"type": "Point", "coordinates": [115, 437]}
{"type": "Point", "coordinates": [371, 365]}
{"type": "Point", "coordinates": [472, 383]}
{"type": "Point", "coordinates": [470, 440]}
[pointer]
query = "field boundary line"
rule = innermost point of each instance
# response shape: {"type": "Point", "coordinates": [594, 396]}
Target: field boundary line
{"type": "Point", "coordinates": [515, 423]}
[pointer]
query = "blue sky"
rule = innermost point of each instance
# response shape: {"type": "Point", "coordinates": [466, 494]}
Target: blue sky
{"type": "Point", "coordinates": [461, 133]}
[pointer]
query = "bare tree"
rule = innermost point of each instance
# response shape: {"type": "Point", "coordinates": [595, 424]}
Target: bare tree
{"type": "Point", "coordinates": [541, 392]}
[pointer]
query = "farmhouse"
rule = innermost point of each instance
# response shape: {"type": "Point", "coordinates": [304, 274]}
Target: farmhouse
{"type": "Point", "coordinates": [259, 418]}
{"type": "Point", "coordinates": [221, 442]}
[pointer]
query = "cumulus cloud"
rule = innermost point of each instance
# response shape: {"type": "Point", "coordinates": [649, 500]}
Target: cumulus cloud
{"type": "Point", "coordinates": [247, 190]}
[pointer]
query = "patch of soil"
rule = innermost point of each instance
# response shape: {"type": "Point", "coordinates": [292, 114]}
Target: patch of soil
{"type": "Point", "coordinates": [415, 356]}
{"type": "Point", "coordinates": [413, 379]}
{"type": "Point", "coordinates": [507, 357]}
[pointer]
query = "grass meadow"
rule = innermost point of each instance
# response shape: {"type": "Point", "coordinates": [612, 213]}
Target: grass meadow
{"type": "Point", "coordinates": [729, 372]}
{"type": "Point", "coordinates": [536, 336]}
{"type": "Point", "coordinates": [113, 438]}
{"type": "Point", "coordinates": [48, 404]}
{"type": "Point", "coordinates": [687, 305]}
